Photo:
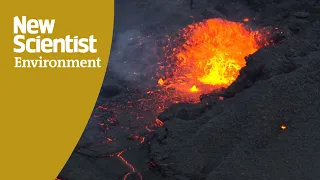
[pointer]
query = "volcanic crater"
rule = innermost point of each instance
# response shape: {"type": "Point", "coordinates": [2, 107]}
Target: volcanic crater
{"type": "Point", "coordinates": [201, 90]}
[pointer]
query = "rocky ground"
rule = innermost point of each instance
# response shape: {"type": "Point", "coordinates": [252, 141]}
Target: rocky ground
{"type": "Point", "coordinates": [239, 137]}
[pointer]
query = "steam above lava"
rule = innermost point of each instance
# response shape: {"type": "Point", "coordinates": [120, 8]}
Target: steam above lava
{"type": "Point", "coordinates": [208, 55]}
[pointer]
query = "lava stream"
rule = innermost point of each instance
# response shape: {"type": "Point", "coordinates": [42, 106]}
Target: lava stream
{"type": "Point", "coordinates": [133, 170]}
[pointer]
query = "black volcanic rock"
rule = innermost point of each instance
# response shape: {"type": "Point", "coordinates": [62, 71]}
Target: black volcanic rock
{"type": "Point", "coordinates": [110, 88]}
{"type": "Point", "coordinates": [302, 14]}
{"type": "Point", "coordinates": [268, 62]}
{"type": "Point", "coordinates": [250, 124]}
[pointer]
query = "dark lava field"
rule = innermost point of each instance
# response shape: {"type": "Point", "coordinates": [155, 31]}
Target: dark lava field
{"type": "Point", "coordinates": [264, 126]}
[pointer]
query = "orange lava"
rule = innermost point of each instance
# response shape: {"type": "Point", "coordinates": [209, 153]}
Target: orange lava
{"type": "Point", "coordinates": [194, 89]}
{"type": "Point", "coordinates": [210, 57]}
{"type": "Point", "coordinates": [160, 82]}
{"type": "Point", "coordinates": [246, 20]}
{"type": "Point", "coordinates": [159, 122]}
{"type": "Point", "coordinates": [125, 161]}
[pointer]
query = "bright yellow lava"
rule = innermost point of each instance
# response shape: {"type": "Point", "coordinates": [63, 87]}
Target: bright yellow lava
{"type": "Point", "coordinates": [194, 89]}
{"type": "Point", "coordinates": [213, 53]}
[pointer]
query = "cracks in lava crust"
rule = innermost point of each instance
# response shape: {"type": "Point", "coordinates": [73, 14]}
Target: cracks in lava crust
{"type": "Point", "coordinates": [142, 140]}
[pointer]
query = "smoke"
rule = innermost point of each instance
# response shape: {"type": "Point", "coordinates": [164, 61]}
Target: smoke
{"type": "Point", "coordinates": [139, 39]}
{"type": "Point", "coordinates": [132, 55]}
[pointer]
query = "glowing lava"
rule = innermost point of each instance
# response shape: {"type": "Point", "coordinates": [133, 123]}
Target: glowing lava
{"type": "Point", "coordinates": [246, 20]}
{"type": "Point", "coordinates": [205, 56]}
{"type": "Point", "coordinates": [194, 89]}
{"type": "Point", "coordinates": [211, 55]}
{"type": "Point", "coordinates": [160, 82]}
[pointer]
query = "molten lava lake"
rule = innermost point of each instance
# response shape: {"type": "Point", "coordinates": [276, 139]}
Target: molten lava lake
{"type": "Point", "coordinates": [207, 55]}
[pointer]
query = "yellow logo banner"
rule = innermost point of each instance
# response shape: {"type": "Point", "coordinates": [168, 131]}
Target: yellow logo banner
{"type": "Point", "coordinates": [54, 57]}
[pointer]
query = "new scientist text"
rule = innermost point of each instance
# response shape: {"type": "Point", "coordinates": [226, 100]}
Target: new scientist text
{"type": "Point", "coordinates": [39, 43]}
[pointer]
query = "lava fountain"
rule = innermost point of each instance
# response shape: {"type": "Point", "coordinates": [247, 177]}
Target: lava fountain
{"type": "Point", "coordinates": [208, 55]}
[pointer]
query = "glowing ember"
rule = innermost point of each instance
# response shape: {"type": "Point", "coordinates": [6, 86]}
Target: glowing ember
{"type": "Point", "coordinates": [211, 55]}
{"type": "Point", "coordinates": [246, 20]}
{"type": "Point", "coordinates": [194, 89]}
{"type": "Point", "coordinates": [283, 127]}
{"type": "Point", "coordinates": [160, 82]}
{"type": "Point", "coordinates": [159, 122]}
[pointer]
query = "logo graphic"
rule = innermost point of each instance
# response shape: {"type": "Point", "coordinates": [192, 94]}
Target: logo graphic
{"type": "Point", "coordinates": [38, 29]}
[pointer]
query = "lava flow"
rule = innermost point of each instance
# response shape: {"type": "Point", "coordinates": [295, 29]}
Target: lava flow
{"type": "Point", "coordinates": [210, 56]}
{"type": "Point", "coordinates": [204, 57]}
